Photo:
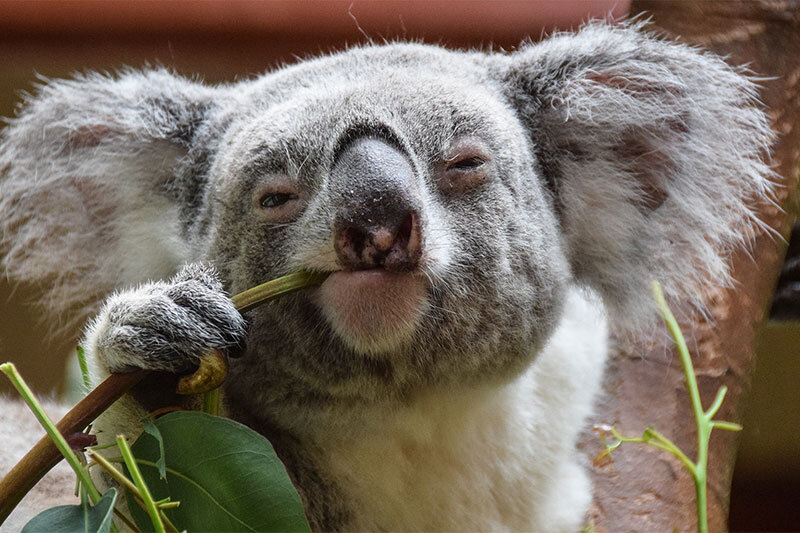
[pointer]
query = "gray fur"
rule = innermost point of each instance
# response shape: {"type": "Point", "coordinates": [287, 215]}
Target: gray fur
{"type": "Point", "coordinates": [615, 158]}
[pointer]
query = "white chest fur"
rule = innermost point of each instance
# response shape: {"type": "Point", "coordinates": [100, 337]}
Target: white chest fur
{"type": "Point", "coordinates": [499, 458]}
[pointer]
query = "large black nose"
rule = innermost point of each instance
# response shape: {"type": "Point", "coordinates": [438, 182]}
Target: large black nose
{"type": "Point", "coordinates": [377, 221]}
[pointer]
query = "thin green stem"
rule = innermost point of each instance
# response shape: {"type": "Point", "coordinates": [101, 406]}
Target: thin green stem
{"type": "Point", "coordinates": [659, 441]}
{"type": "Point", "coordinates": [118, 476]}
{"type": "Point", "coordinates": [717, 403]}
{"type": "Point", "coordinates": [672, 448]}
{"type": "Point", "coordinates": [727, 426]}
{"type": "Point", "coordinates": [702, 421]}
{"type": "Point", "coordinates": [106, 464]}
{"type": "Point", "coordinates": [252, 298]}
{"type": "Point", "coordinates": [683, 351]}
{"type": "Point", "coordinates": [169, 505]}
{"type": "Point", "coordinates": [212, 402]}
{"type": "Point", "coordinates": [58, 439]}
{"type": "Point", "coordinates": [247, 300]}
{"type": "Point", "coordinates": [144, 492]}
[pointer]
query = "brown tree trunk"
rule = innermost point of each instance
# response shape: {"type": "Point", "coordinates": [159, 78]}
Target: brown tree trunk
{"type": "Point", "coordinates": [644, 489]}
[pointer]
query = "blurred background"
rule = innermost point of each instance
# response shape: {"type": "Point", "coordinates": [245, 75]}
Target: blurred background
{"type": "Point", "coordinates": [222, 41]}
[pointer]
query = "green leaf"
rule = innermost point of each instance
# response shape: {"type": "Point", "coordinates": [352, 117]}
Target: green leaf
{"type": "Point", "coordinates": [226, 476]}
{"type": "Point", "coordinates": [72, 518]}
{"type": "Point", "coordinates": [151, 429]}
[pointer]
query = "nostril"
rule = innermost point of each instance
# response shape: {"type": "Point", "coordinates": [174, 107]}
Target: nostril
{"type": "Point", "coordinates": [404, 231]}
{"type": "Point", "coordinates": [349, 245]}
{"type": "Point", "coordinates": [406, 249]}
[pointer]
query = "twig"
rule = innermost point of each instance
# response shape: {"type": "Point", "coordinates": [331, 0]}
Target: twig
{"type": "Point", "coordinates": [704, 420]}
{"type": "Point", "coordinates": [44, 455]}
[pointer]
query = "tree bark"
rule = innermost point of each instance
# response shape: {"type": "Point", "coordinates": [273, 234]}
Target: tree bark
{"type": "Point", "coordinates": [644, 489]}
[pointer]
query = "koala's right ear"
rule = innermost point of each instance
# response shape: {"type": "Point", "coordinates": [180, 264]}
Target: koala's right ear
{"type": "Point", "coordinates": [92, 172]}
{"type": "Point", "coordinates": [654, 154]}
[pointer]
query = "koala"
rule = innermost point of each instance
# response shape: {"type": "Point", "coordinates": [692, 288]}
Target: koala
{"type": "Point", "coordinates": [485, 218]}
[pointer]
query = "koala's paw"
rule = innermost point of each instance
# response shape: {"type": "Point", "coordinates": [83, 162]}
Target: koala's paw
{"type": "Point", "coordinates": [166, 326]}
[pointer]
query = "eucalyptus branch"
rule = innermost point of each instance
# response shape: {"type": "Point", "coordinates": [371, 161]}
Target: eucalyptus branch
{"type": "Point", "coordinates": [260, 294]}
{"type": "Point", "coordinates": [45, 455]}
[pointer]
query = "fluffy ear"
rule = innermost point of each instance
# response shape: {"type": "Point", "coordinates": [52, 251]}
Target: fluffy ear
{"type": "Point", "coordinates": [93, 174]}
{"type": "Point", "coordinates": [654, 153]}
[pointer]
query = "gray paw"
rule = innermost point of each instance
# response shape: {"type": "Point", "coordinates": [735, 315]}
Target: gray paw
{"type": "Point", "coordinates": [167, 325]}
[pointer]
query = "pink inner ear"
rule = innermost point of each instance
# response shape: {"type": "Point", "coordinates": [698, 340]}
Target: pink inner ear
{"type": "Point", "coordinates": [98, 204]}
{"type": "Point", "coordinates": [642, 149]}
{"type": "Point", "coordinates": [631, 84]}
{"type": "Point", "coordinates": [90, 135]}
{"type": "Point", "coordinates": [647, 163]}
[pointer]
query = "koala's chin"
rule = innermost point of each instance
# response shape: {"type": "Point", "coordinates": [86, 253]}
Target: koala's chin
{"type": "Point", "coordinates": [374, 311]}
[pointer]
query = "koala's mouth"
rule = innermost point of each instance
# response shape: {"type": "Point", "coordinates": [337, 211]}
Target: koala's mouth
{"type": "Point", "coordinates": [374, 310]}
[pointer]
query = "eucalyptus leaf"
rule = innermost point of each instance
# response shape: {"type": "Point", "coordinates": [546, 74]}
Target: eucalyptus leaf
{"type": "Point", "coordinates": [226, 477]}
{"type": "Point", "coordinates": [151, 429]}
{"type": "Point", "coordinates": [75, 518]}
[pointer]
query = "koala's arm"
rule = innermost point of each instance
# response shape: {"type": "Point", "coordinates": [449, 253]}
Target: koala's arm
{"type": "Point", "coordinates": [165, 325]}
{"type": "Point", "coordinates": [655, 154]}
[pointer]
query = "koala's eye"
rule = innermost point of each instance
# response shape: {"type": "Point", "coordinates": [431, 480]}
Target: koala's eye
{"type": "Point", "coordinates": [272, 200]}
{"type": "Point", "coordinates": [465, 166]}
{"type": "Point", "coordinates": [278, 201]}
{"type": "Point", "coordinates": [469, 163]}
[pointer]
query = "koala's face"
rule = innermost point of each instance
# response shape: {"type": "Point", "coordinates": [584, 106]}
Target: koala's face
{"type": "Point", "coordinates": [403, 172]}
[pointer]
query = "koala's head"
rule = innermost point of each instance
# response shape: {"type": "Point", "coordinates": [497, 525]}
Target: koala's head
{"type": "Point", "coordinates": [453, 196]}
{"type": "Point", "coordinates": [405, 171]}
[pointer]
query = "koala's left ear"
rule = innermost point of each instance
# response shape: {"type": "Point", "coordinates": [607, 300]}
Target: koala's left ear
{"type": "Point", "coordinates": [654, 153]}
